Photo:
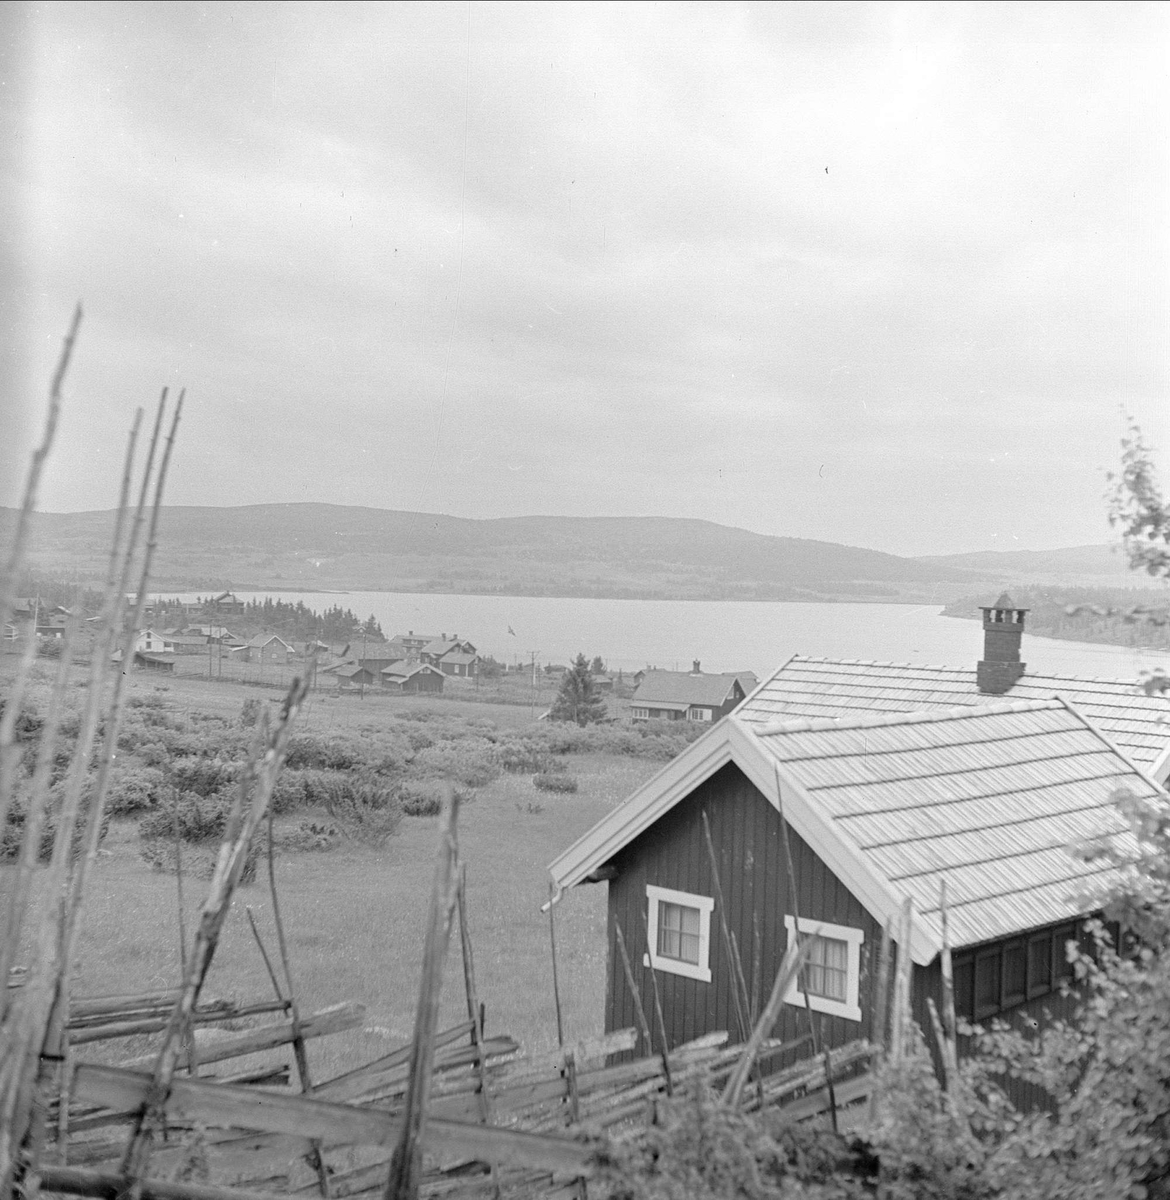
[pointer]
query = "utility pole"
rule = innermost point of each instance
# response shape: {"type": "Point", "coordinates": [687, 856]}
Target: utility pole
{"type": "Point", "coordinates": [533, 654]}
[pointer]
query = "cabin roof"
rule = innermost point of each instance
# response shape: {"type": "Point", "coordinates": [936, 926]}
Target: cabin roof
{"type": "Point", "coordinates": [459, 656]}
{"type": "Point", "coordinates": [1136, 723]}
{"type": "Point", "coordinates": [262, 639]}
{"type": "Point", "coordinates": [664, 689]}
{"type": "Point", "coordinates": [404, 670]}
{"type": "Point", "coordinates": [989, 799]}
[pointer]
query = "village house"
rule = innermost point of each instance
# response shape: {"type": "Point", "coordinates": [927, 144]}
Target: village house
{"type": "Point", "coordinates": [687, 696]}
{"type": "Point", "coordinates": [266, 648]}
{"type": "Point", "coordinates": [225, 602]}
{"type": "Point", "coordinates": [353, 676]}
{"type": "Point", "coordinates": [148, 641]}
{"type": "Point", "coordinates": [833, 687]}
{"type": "Point", "coordinates": [409, 678]}
{"type": "Point", "coordinates": [213, 633]}
{"type": "Point", "coordinates": [412, 643]}
{"type": "Point", "coordinates": [875, 810]}
{"type": "Point", "coordinates": [452, 655]}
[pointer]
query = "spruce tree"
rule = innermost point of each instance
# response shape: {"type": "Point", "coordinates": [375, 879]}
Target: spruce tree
{"type": "Point", "coordinates": [578, 699]}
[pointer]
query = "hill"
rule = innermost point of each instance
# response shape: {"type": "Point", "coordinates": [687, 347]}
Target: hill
{"type": "Point", "coordinates": [1103, 565]}
{"type": "Point", "coordinates": [319, 547]}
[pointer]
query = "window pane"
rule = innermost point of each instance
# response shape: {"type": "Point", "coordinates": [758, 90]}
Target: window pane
{"type": "Point", "coordinates": [1062, 968]}
{"type": "Point", "coordinates": [987, 984]}
{"type": "Point", "coordinates": [1040, 964]}
{"type": "Point", "coordinates": [826, 970]}
{"type": "Point", "coordinates": [678, 932]}
{"type": "Point", "coordinates": [1014, 982]}
{"type": "Point", "coordinates": [964, 982]}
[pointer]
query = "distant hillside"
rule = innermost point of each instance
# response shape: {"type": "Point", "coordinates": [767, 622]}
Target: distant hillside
{"type": "Point", "coordinates": [1072, 565]}
{"type": "Point", "coordinates": [323, 546]}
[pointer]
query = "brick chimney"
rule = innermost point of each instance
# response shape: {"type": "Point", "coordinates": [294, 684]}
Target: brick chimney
{"type": "Point", "coordinates": [1003, 628]}
{"type": "Point", "coordinates": [695, 667]}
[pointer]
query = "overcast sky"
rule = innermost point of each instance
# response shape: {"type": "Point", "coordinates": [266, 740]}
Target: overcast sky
{"type": "Point", "coordinates": [882, 274]}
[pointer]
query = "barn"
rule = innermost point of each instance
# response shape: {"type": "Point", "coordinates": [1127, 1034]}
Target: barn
{"type": "Point", "coordinates": [875, 809]}
{"type": "Point", "coordinates": [411, 678]}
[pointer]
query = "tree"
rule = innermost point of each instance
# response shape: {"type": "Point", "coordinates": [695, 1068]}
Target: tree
{"type": "Point", "coordinates": [597, 667]}
{"type": "Point", "coordinates": [578, 699]}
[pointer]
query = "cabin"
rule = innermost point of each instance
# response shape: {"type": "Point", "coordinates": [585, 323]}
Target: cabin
{"type": "Point", "coordinates": [158, 663]}
{"type": "Point", "coordinates": [412, 678]}
{"type": "Point", "coordinates": [412, 643]}
{"type": "Point", "coordinates": [353, 677]}
{"type": "Point", "coordinates": [458, 662]}
{"type": "Point", "coordinates": [226, 602]}
{"type": "Point", "coordinates": [150, 642]}
{"type": "Point", "coordinates": [1138, 724]}
{"type": "Point", "coordinates": [870, 811]}
{"type": "Point", "coordinates": [268, 649]}
{"type": "Point", "coordinates": [686, 696]}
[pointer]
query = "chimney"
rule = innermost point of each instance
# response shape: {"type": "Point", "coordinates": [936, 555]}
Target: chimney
{"type": "Point", "coordinates": [695, 667]}
{"type": "Point", "coordinates": [1003, 628]}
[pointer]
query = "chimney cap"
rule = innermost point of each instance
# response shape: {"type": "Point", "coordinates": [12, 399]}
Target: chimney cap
{"type": "Point", "coordinates": [695, 670]}
{"type": "Point", "coordinates": [1003, 603]}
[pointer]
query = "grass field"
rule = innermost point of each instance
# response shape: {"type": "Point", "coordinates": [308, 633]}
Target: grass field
{"type": "Point", "coordinates": [355, 914]}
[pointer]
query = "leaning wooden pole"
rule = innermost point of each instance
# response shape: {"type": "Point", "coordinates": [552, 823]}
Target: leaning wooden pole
{"type": "Point", "coordinates": [406, 1162]}
{"type": "Point", "coordinates": [741, 1001]}
{"type": "Point", "coordinates": [255, 792]}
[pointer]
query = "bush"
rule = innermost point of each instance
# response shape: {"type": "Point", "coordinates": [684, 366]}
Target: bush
{"type": "Point", "coordinates": [250, 712]}
{"type": "Point", "coordinates": [205, 776]}
{"type": "Point", "coordinates": [13, 832]}
{"type": "Point", "coordinates": [196, 818]}
{"type": "Point", "coordinates": [555, 783]}
{"type": "Point", "coordinates": [473, 762]}
{"type": "Point", "coordinates": [420, 800]}
{"type": "Point", "coordinates": [310, 751]}
{"type": "Point", "coordinates": [309, 836]}
{"type": "Point", "coordinates": [134, 791]}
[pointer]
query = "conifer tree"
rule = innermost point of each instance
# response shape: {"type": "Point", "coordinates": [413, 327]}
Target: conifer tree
{"type": "Point", "coordinates": [578, 699]}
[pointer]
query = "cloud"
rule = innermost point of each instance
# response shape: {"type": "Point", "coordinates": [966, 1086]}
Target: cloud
{"type": "Point", "coordinates": [682, 259]}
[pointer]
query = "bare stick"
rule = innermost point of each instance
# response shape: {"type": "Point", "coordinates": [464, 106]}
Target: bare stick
{"type": "Point", "coordinates": [406, 1162]}
{"type": "Point", "coordinates": [635, 993]}
{"type": "Point", "coordinates": [948, 988]}
{"type": "Point", "coordinates": [756, 965]}
{"type": "Point", "coordinates": [8, 577]}
{"type": "Point", "coordinates": [256, 783]}
{"type": "Point", "coordinates": [793, 959]}
{"type": "Point", "coordinates": [658, 1011]}
{"type": "Point", "coordinates": [740, 1001]}
{"type": "Point", "coordinates": [179, 877]}
{"type": "Point", "coordinates": [264, 955]}
{"type": "Point", "coordinates": [475, 1014]}
{"type": "Point", "coordinates": [881, 1000]}
{"type": "Point", "coordinates": [902, 983]}
{"type": "Point", "coordinates": [552, 939]}
{"type": "Point", "coordinates": [792, 890]}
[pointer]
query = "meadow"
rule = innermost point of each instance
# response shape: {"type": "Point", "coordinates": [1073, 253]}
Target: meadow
{"type": "Point", "coordinates": [355, 911]}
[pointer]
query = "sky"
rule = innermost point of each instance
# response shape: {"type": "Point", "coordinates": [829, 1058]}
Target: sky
{"type": "Point", "coordinates": [882, 274]}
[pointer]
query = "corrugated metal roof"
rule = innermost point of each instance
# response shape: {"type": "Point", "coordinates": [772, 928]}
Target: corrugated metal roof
{"type": "Point", "coordinates": [845, 688]}
{"type": "Point", "coordinates": [989, 798]}
{"type": "Point", "coordinates": [662, 688]}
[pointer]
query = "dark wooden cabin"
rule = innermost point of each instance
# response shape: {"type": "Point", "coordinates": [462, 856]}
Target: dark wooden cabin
{"type": "Point", "coordinates": [876, 809]}
{"type": "Point", "coordinates": [412, 678]}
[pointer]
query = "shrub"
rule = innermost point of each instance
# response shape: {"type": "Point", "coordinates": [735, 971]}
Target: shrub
{"type": "Point", "coordinates": [309, 750]}
{"type": "Point", "coordinates": [250, 712]}
{"type": "Point", "coordinates": [13, 832]}
{"type": "Point", "coordinates": [134, 791]}
{"type": "Point", "coordinates": [196, 818]}
{"type": "Point", "coordinates": [555, 783]}
{"type": "Point", "coordinates": [309, 836]}
{"type": "Point", "coordinates": [205, 776]}
{"type": "Point", "coordinates": [473, 762]}
{"type": "Point", "coordinates": [154, 754]}
{"type": "Point", "coordinates": [420, 800]}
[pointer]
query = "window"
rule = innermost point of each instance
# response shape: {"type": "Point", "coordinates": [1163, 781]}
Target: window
{"type": "Point", "coordinates": [699, 714]}
{"type": "Point", "coordinates": [830, 975]}
{"type": "Point", "coordinates": [1002, 976]}
{"type": "Point", "coordinates": [643, 713]}
{"type": "Point", "coordinates": [680, 932]}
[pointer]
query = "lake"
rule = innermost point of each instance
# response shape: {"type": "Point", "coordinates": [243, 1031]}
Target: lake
{"type": "Point", "coordinates": [723, 635]}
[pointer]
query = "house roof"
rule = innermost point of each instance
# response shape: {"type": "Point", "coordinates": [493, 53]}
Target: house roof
{"type": "Point", "coordinates": [987, 798]}
{"type": "Point", "coordinates": [664, 689]}
{"type": "Point", "coordinates": [458, 656]}
{"type": "Point", "coordinates": [441, 647]}
{"type": "Point", "coordinates": [1136, 723]}
{"type": "Point", "coordinates": [262, 639]}
{"type": "Point", "coordinates": [415, 637]}
{"type": "Point", "coordinates": [349, 670]}
{"type": "Point", "coordinates": [154, 656]}
{"type": "Point", "coordinates": [181, 640]}
{"type": "Point", "coordinates": [404, 670]}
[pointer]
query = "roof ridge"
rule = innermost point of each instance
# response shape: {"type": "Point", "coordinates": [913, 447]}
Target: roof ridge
{"type": "Point", "coordinates": [870, 662]}
{"type": "Point", "coordinates": [810, 724]}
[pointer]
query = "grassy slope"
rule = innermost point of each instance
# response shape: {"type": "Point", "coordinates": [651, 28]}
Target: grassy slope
{"type": "Point", "coordinates": [355, 915]}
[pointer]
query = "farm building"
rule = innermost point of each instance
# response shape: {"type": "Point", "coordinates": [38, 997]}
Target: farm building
{"type": "Point", "coordinates": [268, 649]}
{"type": "Point", "coordinates": [163, 664]}
{"type": "Point", "coordinates": [686, 696]}
{"type": "Point", "coordinates": [830, 687]}
{"type": "Point", "coordinates": [353, 676]}
{"type": "Point", "coordinates": [149, 641]}
{"type": "Point", "coordinates": [458, 662]}
{"type": "Point", "coordinates": [409, 678]}
{"type": "Point", "coordinates": [876, 809]}
{"type": "Point", "coordinates": [412, 643]}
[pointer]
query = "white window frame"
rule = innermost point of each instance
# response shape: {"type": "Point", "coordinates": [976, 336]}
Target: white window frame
{"type": "Point", "coordinates": [850, 1009]}
{"type": "Point", "coordinates": [700, 713]}
{"type": "Point", "coordinates": [706, 905]}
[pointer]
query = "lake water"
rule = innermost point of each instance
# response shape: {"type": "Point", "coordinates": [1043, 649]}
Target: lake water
{"type": "Point", "coordinates": [723, 635]}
